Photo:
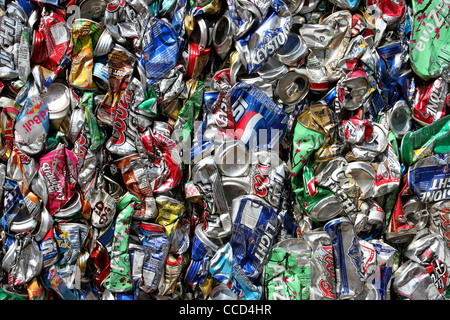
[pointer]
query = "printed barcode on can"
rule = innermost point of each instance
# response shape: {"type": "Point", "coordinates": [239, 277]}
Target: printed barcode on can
{"type": "Point", "coordinates": [250, 215]}
{"type": "Point", "coordinates": [59, 33]}
{"type": "Point", "coordinates": [141, 178]}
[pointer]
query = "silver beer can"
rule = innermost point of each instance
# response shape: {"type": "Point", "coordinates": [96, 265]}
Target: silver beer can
{"type": "Point", "coordinates": [323, 275]}
{"type": "Point", "coordinates": [292, 87]}
{"type": "Point", "coordinates": [348, 260]}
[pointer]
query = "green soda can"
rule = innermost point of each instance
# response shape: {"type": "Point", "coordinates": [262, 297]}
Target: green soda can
{"type": "Point", "coordinates": [119, 279]}
{"type": "Point", "coordinates": [318, 203]}
{"type": "Point", "coordinates": [430, 38]}
{"type": "Point", "coordinates": [287, 274]}
{"type": "Point", "coordinates": [430, 139]}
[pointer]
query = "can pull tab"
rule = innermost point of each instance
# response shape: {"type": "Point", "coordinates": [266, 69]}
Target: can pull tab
{"type": "Point", "coordinates": [291, 89]}
{"type": "Point", "coordinates": [74, 12]}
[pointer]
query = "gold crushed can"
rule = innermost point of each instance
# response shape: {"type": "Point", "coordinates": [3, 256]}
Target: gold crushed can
{"type": "Point", "coordinates": [85, 34]}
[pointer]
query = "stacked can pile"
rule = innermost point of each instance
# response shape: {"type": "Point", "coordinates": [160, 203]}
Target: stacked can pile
{"type": "Point", "coordinates": [212, 149]}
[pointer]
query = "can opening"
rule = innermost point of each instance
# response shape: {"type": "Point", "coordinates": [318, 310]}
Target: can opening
{"type": "Point", "coordinates": [221, 31]}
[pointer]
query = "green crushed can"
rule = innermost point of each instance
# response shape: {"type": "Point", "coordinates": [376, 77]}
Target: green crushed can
{"type": "Point", "coordinates": [287, 274]}
{"type": "Point", "coordinates": [430, 38]}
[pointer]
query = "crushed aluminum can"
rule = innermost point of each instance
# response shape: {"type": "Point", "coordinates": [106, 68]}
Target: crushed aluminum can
{"type": "Point", "coordinates": [354, 87]}
{"type": "Point", "coordinates": [245, 16]}
{"type": "Point", "coordinates": [104, 44]}
{"type": "Point", "coordinates": [173, 268]}
{"type": "Point", "coordinates": [120, 67]}
{"type": "Point", "coordinates": [59, 172]}
{"type": "Point", "coordinates": [270, 36]}
{"type": "Point", "coordinates": [156, 247]}
{"type": "Point", "coordinates": [93, 10]}
{"type": "Point", "coordinates": [400, 118]}
{"type": "Point", "coordinates": [357, 130]}
{"type": "Point", "coordinates": [52, 280]}
{"type": "Point", "coordinates": [384, 268]}
{"type": "Point", "coordinates": [85, 34]}
{"type": "Point", "coordinates": [164, 153]}
{"type": "Point", "coordinates": [259, 122]}
{"type": "Point", "coordinates": [170, 211]}
{"type": "Point", "coordinates": [411, 281]}
{"type": "Point", "coordinates": [56, 38]}
{"type": "Point", "coordinates": [206, 177]}
{"type": "Point", "coordinates": [364, 175]}
{"type": "Point", "coordinates": [294, 52]}
{"type": "Point", "coordinates": [400, 229]}
{"type": "Point", "coordinates": [440, 214]}
{"type": "Point", "coordinates": [119, 277]}
{"type": "Point", "coordinates": [429, 178]}
{"type": "Point", "coordinates": [203, 249]}
{"type": "Point", "coordinates": [348, 259]}
{"type": "Point", "coordinates": [124, 128]}
{"type": "Point", "coordinates": [232, 158]}
{"type": "Point", "coordinates": [159, 38]}
{"type": "Point", "coordinates": [255, 224]}
{"type": "Point", "coordinates": [425, 141]}
{"type": "Point", "coordinates": [317, 74]}
{"type": "Point", "coordinates": [234, 187]}
{"type": "Point", "coordinates": [430, 102]}
{"type": "Point", "coordinates": [22, 261]}
{"type": "Point", "coordinates": [196, 58]}
{"type": "Point", "coordinates": [139, 181]}
{"type": "Point", "coordinates": [222, 36]}
{"type": "Point", "coordinates": [57, 99]}
{"type": "Point", "coordinates": [292, 87]}
{"type": "Point", "coordinates": [438, 271]}
{"type": "Point", "coordinates": [103, 208]}
{"type": "Point", "coordinates": [387, 172]}
{"type": "Point", "coordinates": [287, 273]}
{"type": "Point", "coordinates": [335, 178]}
{"type": "Point", "coordinates": [49, 249]}
{"type": "Point", "coordinates": [369, 256]}
{"type": "Point", "coordinates": [32, 123]}
{"type": "Point", "coordinates": [429, 54]}
{"type": "Point", "coordinates": [202, 32]}
{"type": "Point", "coordinates": [13, 23]}
{"type": "Point", "coordinates": [323, 276]}
{"type": "Point", "coordinates": [431, 252]}
{"type": "Point", "coordinates": [375, 144]}
{"type": "Point", "coordinates": [318, 203]}
{"type": "Point", "coordinates": [267, 177]}
{"type": "Point", "coordinates": [100, 264]}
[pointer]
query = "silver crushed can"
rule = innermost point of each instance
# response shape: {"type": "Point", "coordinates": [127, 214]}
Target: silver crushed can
{"type": "Point", "coordinates": [323, 275]}
{"type": "Point", "coordinates": [440, 214]}
{"type": "Point", "coordinates": [384, 268]}
{"type": "Point", "coordinates": [206, 177]}
{"type": "Point", "coordinates": [347, 258]}
{"type": "Point", "coordinates": [294, 52]}
{"type": "Point", "coordinates": [292, 87]}
{"type": "Point", "coordinates": [411, 281]}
